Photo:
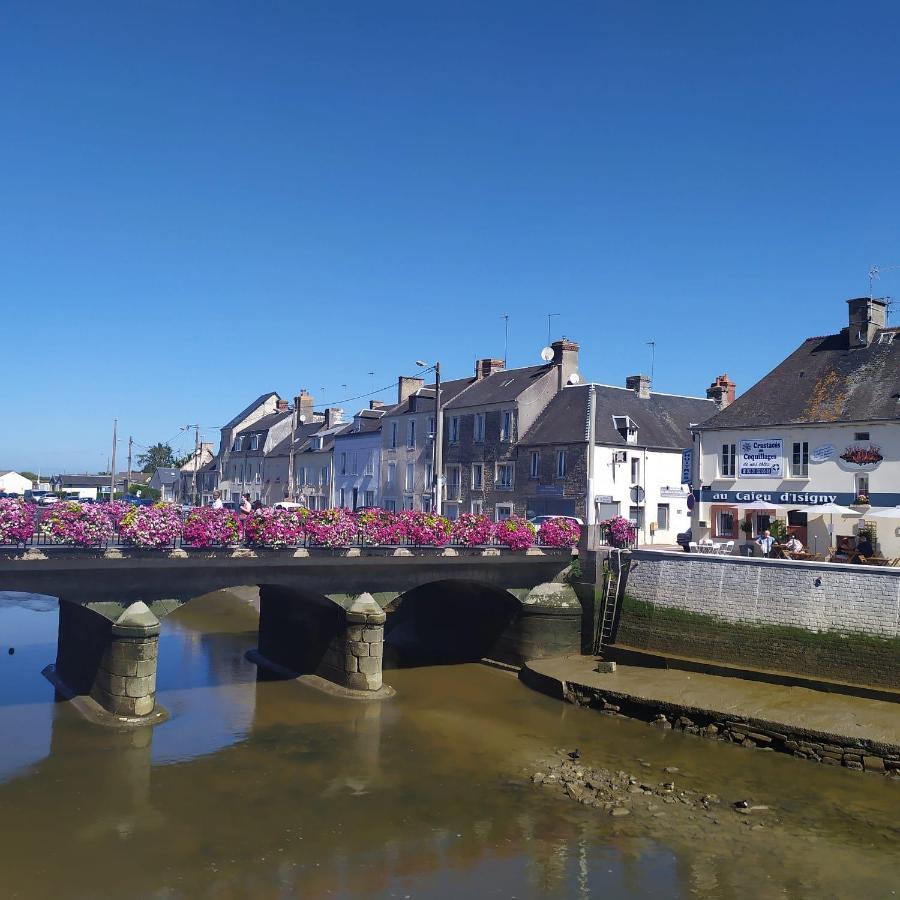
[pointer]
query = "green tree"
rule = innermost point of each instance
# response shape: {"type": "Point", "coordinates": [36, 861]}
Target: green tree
{"type": "Point", "coordinates": [31, 476]}
{"type": "Point", "coordinates": [160, 456]}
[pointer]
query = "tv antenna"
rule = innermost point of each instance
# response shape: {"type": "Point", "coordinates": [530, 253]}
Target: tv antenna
{"type": "Point", "coordinates": [652, 346]}
{"type": "Point", "coordinates": [505, 318]}
{"type": "Point", "coordinates": [550, 318]}
{"type": "Point", "coordinates": [874, 275]}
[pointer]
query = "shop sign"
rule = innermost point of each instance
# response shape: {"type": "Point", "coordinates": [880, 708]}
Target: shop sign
{"type": "Point", "coordinates": [603, 498]}
{"type": "Point", "coordinates": [823, 453]}
{"type": "Point", "coordinates": [673, 492]}
{"type": "Point", "coordinates": [857, 458]}
{"type": "Point", "coordinates": [761, 458]}
{"type": "Point", "coordinates": [687, 457]}
{"type": "Point", "coordinates": [800, 498]}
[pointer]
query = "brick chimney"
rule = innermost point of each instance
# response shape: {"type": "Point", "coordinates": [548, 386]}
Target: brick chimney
{"type": "Point", "coordinates": [722, 391]}
{"type": "Point", "coordinates": [303, 403]}
{"type": "Point", "coordinates": [406, 385]}
{"type": "Point", "coordinates": [867, 315]}
{"type": "Point", "coordinates": [640, 384]}
{"type": "Point", "coordinates": [281, 406]}
{"type": "Point", "coordinates": [565, 358]}
{"type": "Point", "coordinates": [376, 404]}
{"type": "Point", "coordinates": [485, 367]}
{"type": "Point", "coordinates": [333, 416]}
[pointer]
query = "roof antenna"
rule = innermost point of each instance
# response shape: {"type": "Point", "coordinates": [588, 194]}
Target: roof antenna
{"type": "Point", "coordinates": [652, 346]}
{"type": "Point", "coordinates": [505, 318]}
{"type": "Point", "coordinates": [874, 274]}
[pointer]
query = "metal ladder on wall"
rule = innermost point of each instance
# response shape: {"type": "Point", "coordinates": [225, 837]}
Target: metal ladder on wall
{"type": "Point", "coordinates": [610, 605]}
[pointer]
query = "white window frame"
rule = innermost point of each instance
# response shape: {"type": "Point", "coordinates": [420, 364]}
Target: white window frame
{"type": "Point", "coordinates": [390, 504]}
{"type": "Point", "coordinates": [728, 461]}
{"type": "Point", "coordinates": [254, 441]}
{"type": "Point", "coordinates": [408, 501]}
{"type": "Point", "coordinates": [451, 511]}
{"type": "Point", "coordinates": [392, 473]}
{"type": "Point", "coordinates": [535, 464]}
{"type": "Point", "coordinates": [560, 463]}
{"type": "Point", "coordinates": [453, 436]}
{"type": "Point", "coordinates": [506, 425]}
{"type": "Point", "coordinates": [369, 468]}
{"type": "Point", "coordinates": [635, 470]}
{"type": "Point", "coordinates": [663, 507]}
{"type": "Point", "coordinates": [477, 507]}
{"type": "Point", "coordinates": [498, 482]}
{"type": "Point", "coordinates": [431, 426]}
{"type": "Point", "coordinates": [411, 434]}
{"type": "Point", "coordinates": [343, 465]}
{"type": "Point", "coordinates": [800, 469]}
{"type": "Point", "coordinates": [393, 435]}
{"type": "Point", "coordinates": [369, 498]}
{"type": "Point", "coordinates": [410, 477]}
{"type": "Point", "coordinates": [478, 483]}
{"type": "Point", "coordinates": [504, 506]}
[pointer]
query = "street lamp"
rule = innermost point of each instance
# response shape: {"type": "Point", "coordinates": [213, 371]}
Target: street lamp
{"type": "Point", "coordinates": [437, 450]}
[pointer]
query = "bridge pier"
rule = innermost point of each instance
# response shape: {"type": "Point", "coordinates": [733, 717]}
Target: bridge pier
{"type": "Point", "coordinates": [112, 662]}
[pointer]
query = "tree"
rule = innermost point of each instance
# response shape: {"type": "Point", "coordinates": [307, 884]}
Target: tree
{"type": "Point", "coordinates": [160, 456]}
{"type": "Point", "coordinates": [31, 476]}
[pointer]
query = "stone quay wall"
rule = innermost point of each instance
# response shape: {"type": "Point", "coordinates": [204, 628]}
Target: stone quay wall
{"type": "Point", "coordinates": [839, 622]}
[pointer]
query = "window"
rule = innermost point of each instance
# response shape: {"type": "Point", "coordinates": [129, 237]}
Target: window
{"type": "Point", "coordinates": [393, 434]}
{"type": "Point", "coordinates": [392, 473]}
{"type": "Point", "coordinates": [407, 501]}
{"type": "Point", "coordinates": [504, 478]}
{"type": "Point", "coordinates": [451, 511]}
{"type": "Point", "coordinates": [858, 436]}
{"type": "Point", "coordinates": [561, 464]}
{"type": "Point", "coordinates": [454, 430]}
{"type": "Point", "coordinates": [258, 475]}
{"type": "Point", "coordinates": [343, 465]}
{"type": "Point", "coordinates": [636, 514]}
{"type": "Point", "coordinates": [343, 496]}
{"type": "Point", "coordinates": [369, 467]}
{"type": "Point", "coordinates": [728, 460]}
{"type": "Point", "coordinates": [502, 512]}
{"type": "Point", "coordinates": [535, 464]}
{"type": "Point", "coordinates": [429, 474]}
{"type": "Point", "coordinates": [477, 507]}
{"type": "Point", "coordinates": [635, 470]}
{"type": "Point", "coordinates": [390, 505]}
{"type": "Point", "coordinates": [431, 426]}
{"type": "Point", "coordinates": [477, 476]}
{"type": "Point", "coordinates": [607, 511]}
{"type": "Point", "coordinates": [369, 498]}
{"type": "Point", "coordinates": [239, 441]}
{"type": "Point", "coordinates": [426, 503]}
{"type": "Point", "coordinates": [411, 434]}
{"type": "Point", "coordinates": [800, 459]}
{"type": "Point", "coordinates": [324, 475]}
{"type": "Point", "coordinates": [725, 522]}
{"type": "Point", "coordinates": [453, 482]}
{"type": "Point", "coordinates": [662, 517]}
{"type": "Point", "coordinates": [301, 475]}
{"type": "Point", "coordinates": [479, 428]}
{"type": "Point", "coordinates": [862, 486]}
{"type": "Point", "coordinates": [254, 442]}
{"type": "Point", "coordinates": [410, 478]}
{"type": "Point", "coordinates": [506, 425]}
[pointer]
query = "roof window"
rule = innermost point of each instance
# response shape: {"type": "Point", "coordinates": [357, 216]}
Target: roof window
{"type": "Point", "coordinates": [626, 427]}
{"type": "Point", "coordinates": [886, 337]}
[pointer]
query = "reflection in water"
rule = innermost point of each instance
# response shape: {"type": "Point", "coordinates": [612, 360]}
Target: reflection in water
{"type": "Point", "coordinates": [271, 789]}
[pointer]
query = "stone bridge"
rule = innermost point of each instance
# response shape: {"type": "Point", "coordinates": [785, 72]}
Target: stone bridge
{"type": "Point", "coordinates": [323, 612]}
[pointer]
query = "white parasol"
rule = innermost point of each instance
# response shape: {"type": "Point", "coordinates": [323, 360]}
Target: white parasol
{"type": "Point", "coordinates": [761, 505]}
{"type": "Point", "coordinates": [832, 510]}
{"type": "Point", "coordinates": [890, 512]}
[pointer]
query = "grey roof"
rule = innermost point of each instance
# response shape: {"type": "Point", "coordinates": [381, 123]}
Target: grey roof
{"type": "Point", "coordinates": [366, 426]}
{"type": "Point", "coordinates": [167, 476]}
{"type": "Point", "coordinates": [663, 420]}
{"type": "Point", "coordinates": [823, 380]}
{"type": "Point", "coordinates": [265, 423]}
{"type": "Point", "coordinates": [301, 435]}
{"type": "Point", "coordinates": [249, 409]}
{"type": "Point", "coordinates": [449, 391]}
{"type": "Point", "coordinates": [500, 387]}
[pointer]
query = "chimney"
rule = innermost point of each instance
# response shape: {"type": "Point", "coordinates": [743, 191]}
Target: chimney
{"type": "Point", "coordinates": [281, 406]}
{"type": "Point", "coordinates": [376, 404]}
{"type": "Point", "coordinates": [722, 391]}
{"type": "Point", "coordinates": [303, 403]}
{"type": "Point", "coordinates": [485, 367]}
{"type": "Point", "coordinates": [867, 315]}
{"type": "Point", "coordinates": [407, 385]}
{"type": "Point", "coordinates": [565, 358]}
{"type": "Point", "coordinates": [333, 416]}
{"type": "Point", "coordinates": [640, 384]}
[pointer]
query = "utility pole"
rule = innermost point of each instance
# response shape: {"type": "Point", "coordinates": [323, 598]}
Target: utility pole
{"type": "Point", "coordinates": [437, 475]}
{"type": "Point", "coordinates": [112, 473]}
{"type": "Point", "coordinates": [196, 465]}
{"type": "Point", "coordinates": [291, 488]}
{"type": "Point", "coordinates": [128, 479]}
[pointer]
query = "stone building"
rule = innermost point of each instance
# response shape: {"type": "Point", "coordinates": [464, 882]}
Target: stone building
{"type": "Point", "coordinates": [823, 426]}
{"type": "Point", "coordinates": [482, 428]}
{"type": "Point", "coordinates": [228, 477]}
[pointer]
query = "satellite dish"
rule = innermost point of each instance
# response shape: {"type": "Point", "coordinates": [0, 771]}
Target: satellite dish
{"type": "Point", "coordinates": [547, 354]}
{"type": "Point", "coordinates": [574, 378]}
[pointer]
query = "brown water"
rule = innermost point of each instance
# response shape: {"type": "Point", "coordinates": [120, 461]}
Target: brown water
{"type": "Point", "coordinates": [272, 790]}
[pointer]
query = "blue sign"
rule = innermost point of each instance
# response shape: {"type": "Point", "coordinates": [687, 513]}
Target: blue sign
{"type": "Point", "coordinates": [687, 457]}
{"type": "Point", "coordinates": [795, 498]}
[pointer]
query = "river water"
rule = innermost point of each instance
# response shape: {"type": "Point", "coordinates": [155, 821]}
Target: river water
{"type": "Point", "coordinates": [273, 790]}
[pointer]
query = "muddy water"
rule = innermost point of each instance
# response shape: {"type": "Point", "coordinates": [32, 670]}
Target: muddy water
{"type": "Point", "coordinates": [273, 790]}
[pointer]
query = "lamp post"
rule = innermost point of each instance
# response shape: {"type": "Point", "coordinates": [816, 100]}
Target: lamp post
{"type": "Point", "coordinates": [437, 450]}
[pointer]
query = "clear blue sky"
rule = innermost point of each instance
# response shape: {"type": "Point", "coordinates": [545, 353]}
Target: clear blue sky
{"type": "Point", "coordinates": [204, 201]}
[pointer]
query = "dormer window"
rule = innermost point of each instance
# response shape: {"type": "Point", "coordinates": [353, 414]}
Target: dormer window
{"type": "Point", "coordinates": [254, 442]}
{"type": "Point", "coordinates": [886, 337]}
{"type": "Point", "coordinates": [627, 427]}
{"type": "Point", "coordinates": [238, 443]}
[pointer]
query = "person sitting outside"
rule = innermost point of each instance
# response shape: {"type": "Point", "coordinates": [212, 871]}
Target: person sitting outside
{"type": "Point", "coordinates": [793, 544]}
{"type": "Point", "coordinates": [766, 542]}
{"type": "Point", "coordinates": [864, 546]}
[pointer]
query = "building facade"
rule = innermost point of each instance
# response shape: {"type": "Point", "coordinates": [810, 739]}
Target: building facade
{"type": "Point", "coordinates": [823, 426]}
{"type": "Point", "coordinates": [357, 460]}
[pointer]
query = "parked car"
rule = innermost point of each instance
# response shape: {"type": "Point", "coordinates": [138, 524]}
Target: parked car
{"type": "Point", "coordinates": [288, 504]}
{"type": "Point", "coordinates": [48, 500]}
{"type": "Point", "coordinates": [9, 495]}
{"type": "Point", "coordinates": [537, 521]}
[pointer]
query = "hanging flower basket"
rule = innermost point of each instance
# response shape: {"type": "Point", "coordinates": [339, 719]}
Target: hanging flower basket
{"type": "Point", "coordinates": [207, 527]}
{"type": "Point", "coordinates": [472, 530]}
{"type": "Point", "coordinates": [515, 533]}
{"type": "Point", "coordinates": [79, 525]}
{"type": "Point", "coordinates": [151, 527]}
{"type": "Point", "coordinates": [16, 521]}
{"type": "Point", "coordinates": [559, 533]}
{"type": "Point", "coordinates": [276, 528]}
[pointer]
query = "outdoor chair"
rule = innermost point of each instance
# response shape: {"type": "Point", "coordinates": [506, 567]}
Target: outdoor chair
{"type": "Point", "coordinates": [725, 549]}
{"type": "Point", "coordinates": [706, 545]}
{"type": "Point", "coordinates": [692, 547]}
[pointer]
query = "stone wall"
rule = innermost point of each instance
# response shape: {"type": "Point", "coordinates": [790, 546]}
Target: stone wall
{"type": "Point", "coordinates": [837, 622]}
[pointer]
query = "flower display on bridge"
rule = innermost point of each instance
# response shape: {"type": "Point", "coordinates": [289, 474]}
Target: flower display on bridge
{"type": "Point", "coordinates": [472, 530]}
{"type": "Point", "coordinates": [16, 520]}
{"type": "Point", "coordinates": [423, 529]}
{"type": "Point", "coordinates": [151, 526]}
{"type": "Point", "coordinates": [268, 527]}
{"type": "Point", "coordinates": [559, 533]}
{"type": "Point", "coordinates": [208, 527]}
{"type": "Point", "coordinates": [83, 525]}
{"type": "Point", "coordinates": [515, 533]}
{"type": "Point", "coordinates": [619, 532]}
{"type": "Point", "coordinates": [116, 511]}
{"type": "Point", "coordinates": [378, 526]}
{"type": "Point", "coordinates": [331, 527]}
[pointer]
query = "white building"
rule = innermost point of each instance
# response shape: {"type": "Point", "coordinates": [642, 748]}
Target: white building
{"type": "Point", "coordinates": [357, 460]}
{"type": "Point", "coordinates": [823, 426]}
{"type": "Point", "coordinates": [14, 483]}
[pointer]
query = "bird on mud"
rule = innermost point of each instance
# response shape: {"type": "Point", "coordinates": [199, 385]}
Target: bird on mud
{"type": "Point", "coordinates": [575, 754]}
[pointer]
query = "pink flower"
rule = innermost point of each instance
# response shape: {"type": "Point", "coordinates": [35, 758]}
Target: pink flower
{"type": "Point", "coordinates": [16, 521]}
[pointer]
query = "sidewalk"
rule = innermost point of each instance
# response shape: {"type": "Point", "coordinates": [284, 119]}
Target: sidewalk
{"type": "Point", "coordinates": [782, 710]}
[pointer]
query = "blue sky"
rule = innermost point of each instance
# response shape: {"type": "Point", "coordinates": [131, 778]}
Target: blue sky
{"type": "Point", "coordinates": [201, 202]}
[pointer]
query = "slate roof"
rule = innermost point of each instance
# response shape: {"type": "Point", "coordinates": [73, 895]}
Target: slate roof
{"type": "Point", "coordinates": [265, 423]}
{"type": "Point", "coordinates": [246, 412]}
{"type": "Point", "coordinates": [367, 425]}
{"type": "Point", "coordinates": [167, 476]}
{"type": "Point", "coordinates": [663, 420]}
{"type": "Point", "coordinates": [499, 387]}
{"type": "Point", "coordinates": [301, 436]}
{"type": "Point", "coordinates": [823, 380]}
{"type": "Point", "coordinates": [449, 390]}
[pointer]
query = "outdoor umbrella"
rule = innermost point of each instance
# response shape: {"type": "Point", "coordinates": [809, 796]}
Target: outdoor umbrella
{"type": "Point", "coordinates": [890, 512]}
{"type": "Point", "coordinates": [761, 504]}
{"type": "Point", "coordinates": [831, 510]}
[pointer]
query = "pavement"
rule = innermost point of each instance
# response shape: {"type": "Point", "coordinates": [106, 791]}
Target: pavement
{"type": "Point", "coordinates": [797, 708]}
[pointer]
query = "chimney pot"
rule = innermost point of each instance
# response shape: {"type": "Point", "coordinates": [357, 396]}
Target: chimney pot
{"type": "Point", "coordinates": [303, 404]}
{"type": "Point", "coordinates": [281, 406]}
{"type": "Point", "coordinates": [640, 384]}
{"type": "Point", "coordinates": [866, 316]}
{"type": "Point", "coordinates": [333, 416]}
{"type": "Point", "coordinates": [486, 367]}
{"type": "Point", "coordinates": [376, 404]}
{"type": "Point", "coordinates": [722, 390]}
